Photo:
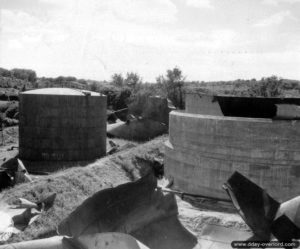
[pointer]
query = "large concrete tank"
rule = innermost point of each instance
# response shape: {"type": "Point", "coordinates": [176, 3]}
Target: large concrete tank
{"type": "Point", "coordinates": [62, 124]}
{"type": "Point", "coordinates": [204, 150]}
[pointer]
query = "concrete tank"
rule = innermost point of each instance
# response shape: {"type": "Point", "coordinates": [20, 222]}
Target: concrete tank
{"type": "Point", "coordinates": [204, 150]}
{"type": "Point", "coordinates": [62, 124]}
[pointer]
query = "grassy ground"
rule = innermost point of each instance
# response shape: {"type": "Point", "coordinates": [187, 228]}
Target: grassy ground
{"type": "Point", "coordinates": [10, 136]}
{"type": "Point", "coordinates": [76, 184]}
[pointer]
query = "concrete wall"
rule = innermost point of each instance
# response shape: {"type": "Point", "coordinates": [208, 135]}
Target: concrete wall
{"type": "Point", "coordinates": [62, 127]}
{"type": "Point", "coordinates": [157, 109]}
{"type": "Point", "coordinates": [204, 150]}
{"type": "Point", "coordinates": [202, 104]}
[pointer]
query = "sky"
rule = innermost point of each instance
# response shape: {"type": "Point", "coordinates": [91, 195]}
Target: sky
{"type": "Point", "coordinates": [208, 40]}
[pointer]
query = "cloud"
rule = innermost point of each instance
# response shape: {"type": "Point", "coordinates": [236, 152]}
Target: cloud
{"type": "Point", "coordinates": [17, 21]}
{"type": "Point", "coordinates": [277, 2]}
{"type": "Point", "coordinates": [163, 11]}
{"type": "Point", "coordinates": [15, 44]}
{"type": "Point", "coordinates": [205, 4]}
{"type": "Point", "coordinates": [275, 19]}
{"type": "Point", "coordinates": [94, 39]}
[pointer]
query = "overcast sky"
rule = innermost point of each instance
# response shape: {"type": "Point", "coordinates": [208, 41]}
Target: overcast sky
{"type": "Point", "coordinates": [208, 39]}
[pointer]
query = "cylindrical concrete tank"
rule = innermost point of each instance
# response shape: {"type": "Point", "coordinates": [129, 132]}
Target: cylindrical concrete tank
{"type": "Point", "coordinates": [204, 151]}
{"type": "Point", "coordinates": [62, 124]}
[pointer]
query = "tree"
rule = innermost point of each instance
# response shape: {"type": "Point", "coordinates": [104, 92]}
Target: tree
{"type": "Point", "coordinates": [122, 99]}
{"type": "Point", "coordinates": [94, 87]}
{"type": "Point", "coordinates": [117, 79]}
{"type": "Point", "coordinates": [267, 87]}
{"type": "Point", "coordinates": [160, 80]}
{"type": "Point", "coordinates": [4, 72]}
{"type": "Point", "coordinates": [133, 79]}
{"type": "Point", "coordinates": [173, 84]}
{"type": "Point", "coordinates": [24, 74]}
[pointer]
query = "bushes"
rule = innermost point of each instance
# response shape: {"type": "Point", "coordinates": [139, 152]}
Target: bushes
{"type": "Point", "coordinates": [267, 87]}
{"type": "Point", "coordinates": [173, 85]}
{"type": "Point", "coordinates": [12, 110]}
{"type": "Point", "coordinates": [23, 74]}
{"type": "Point", "coordinates": [9, 113]}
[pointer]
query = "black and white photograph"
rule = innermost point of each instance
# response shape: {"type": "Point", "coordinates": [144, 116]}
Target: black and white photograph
{"type": "Point", "coordinates": [149, 124]}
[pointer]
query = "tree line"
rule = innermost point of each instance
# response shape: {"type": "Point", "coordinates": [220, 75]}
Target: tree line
{"type": "Point", "coordinates": [130, 89]}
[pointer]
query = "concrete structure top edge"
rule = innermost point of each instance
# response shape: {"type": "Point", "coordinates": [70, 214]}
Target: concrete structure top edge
{"type": "Point", "coordinates": [211, 94]}
{"type": "Point", "coordinates": [62, 91]}
{"type": "Point", "coordinates": [192, 115]}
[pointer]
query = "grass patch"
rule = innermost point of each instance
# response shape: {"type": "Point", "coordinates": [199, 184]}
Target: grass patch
{"type": "Point", "coordinates": [74, 185]}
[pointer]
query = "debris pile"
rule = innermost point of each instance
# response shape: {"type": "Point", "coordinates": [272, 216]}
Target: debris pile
{"type": "Point", "coordinates": [140, 215]}
{"type": "Point", "coordinates": [138, 208]}
{"type": "Point", "coordinates": [153, 121]}
{"type": "Point", "coordinates": [15, 218]}
{"type": "Point", "coordinates": [10, 175]}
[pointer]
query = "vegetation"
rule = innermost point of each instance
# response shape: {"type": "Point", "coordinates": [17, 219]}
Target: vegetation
{"type": "Point", "coordinates": [21, 74]}
{"type": "Point", "coordinates": [267, 87]}
{"type": "Point", "coordinates": [130, 91]}
{"type": "Point", "coordinates": [173, 85]}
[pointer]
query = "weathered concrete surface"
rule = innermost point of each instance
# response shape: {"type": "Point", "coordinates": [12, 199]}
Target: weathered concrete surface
{"type": "Point", "coordinates": [157, 109]}
{"type": "Point", "coordinates": [62, 125]}
{"type": "Point", "coordinates": [205, 150]}
{"type": "Point", "coordinates": [202, 104]}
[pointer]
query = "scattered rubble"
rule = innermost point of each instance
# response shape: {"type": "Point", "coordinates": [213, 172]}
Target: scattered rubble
{"type": "Point", "coordinates": [21, 175]}
{"type": "Point", "coordinates": [140, 215]}
{"type": "Point", "coordinates": [6, 180]}
{"type": "Point", "coordinates": [11, 175]}
{"type": "Point", "coordinates": [137, 208]}
{"type": "Point", "coordinates": [113, 147]}
{"type": "Point", "coordinates": [15, 218]}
